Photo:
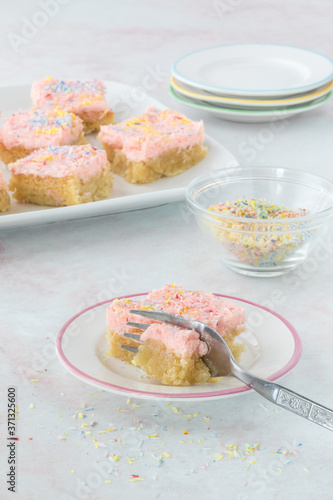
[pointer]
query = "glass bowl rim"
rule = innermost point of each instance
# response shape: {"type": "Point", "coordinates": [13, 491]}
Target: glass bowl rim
{"type": "Point", "coordinates": [214, 175]}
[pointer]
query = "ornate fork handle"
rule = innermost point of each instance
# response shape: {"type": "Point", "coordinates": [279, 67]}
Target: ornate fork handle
{"type": "Point", "coordinates": [220, 362]}
{"type": "Point", "coordinates": [287, 399]}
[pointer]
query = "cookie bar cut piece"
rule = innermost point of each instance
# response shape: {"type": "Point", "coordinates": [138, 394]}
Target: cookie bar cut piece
{"type": "Point", "coordinates": [4, 196]}
{"type": "Point", "coordinates": [61, 175]}
{"type": "Point", "coordinates": [170, 354]}
{"type": "Point", "coordinates": [24, 132]}
{"type": "Point", "coordinates": [83, 98]}
{"type": "Point", "coordinates": [158, 143]}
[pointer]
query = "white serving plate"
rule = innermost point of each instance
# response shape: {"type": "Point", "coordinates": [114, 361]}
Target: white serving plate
{"type": "Point", "coordinates": [254, 69]}
{"type": "Point", "coordinates": [273, 348]}
{"type": "Point", "coordinates": [125, 197]}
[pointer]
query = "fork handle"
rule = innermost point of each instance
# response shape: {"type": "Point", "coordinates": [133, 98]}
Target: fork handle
{"type": "Point", "coordinates": [288, 399]}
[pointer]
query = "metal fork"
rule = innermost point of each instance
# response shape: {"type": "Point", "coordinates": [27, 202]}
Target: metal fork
{"type": "Point", "coordinates": [221, 362]}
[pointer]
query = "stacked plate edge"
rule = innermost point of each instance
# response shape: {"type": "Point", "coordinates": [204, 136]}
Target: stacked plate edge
{"type": "Point", "coordinates": [252, 82]}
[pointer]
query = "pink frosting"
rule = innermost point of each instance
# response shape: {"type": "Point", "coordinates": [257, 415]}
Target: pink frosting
{"type": "Point", "coordinates": [155, 131]}
{"type": "Point", "coordinates": [222, 315]}
{"type": "Point", "coordinates": [62, 161]}
{"type": "Point", "coordinates": [179, 340]}
{"type": "Point", "coordinates": [3, 184]}
{"type": "Point", "coordinates": [86, 98]}
{"type": "Point", "coordinates": [40, 128]}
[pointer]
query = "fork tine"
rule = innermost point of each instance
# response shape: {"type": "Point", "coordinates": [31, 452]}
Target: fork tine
{"type": "Point", "coordinates": [142, 326]}
{"type": "Point", "coordinates": [130, 348]}
{"type": "Point", "coordinates": [167, 318]}
{"type": "Point", "coordinates": [133, 336]}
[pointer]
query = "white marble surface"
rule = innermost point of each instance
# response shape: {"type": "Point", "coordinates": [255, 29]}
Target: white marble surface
{"type": "Point", "coordinates": [48, 273]}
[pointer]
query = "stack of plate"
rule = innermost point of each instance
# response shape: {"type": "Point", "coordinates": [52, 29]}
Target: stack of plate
{"type": "Point", "coordinates": [252, 82]}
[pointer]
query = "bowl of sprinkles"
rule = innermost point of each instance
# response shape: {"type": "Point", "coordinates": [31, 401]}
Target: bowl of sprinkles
{"type": "Point", "coordinates": [263, 221]}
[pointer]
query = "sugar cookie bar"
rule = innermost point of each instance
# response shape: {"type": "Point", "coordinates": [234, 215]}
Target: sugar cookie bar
{"type": "Point", "coordinates": [61, 175]}
{"type": "Point", "coordinates": [83, 98]}
{"type": "Point", "coordinates": [24, 132]}
{"type": "Point", "coordinates": [4, 196]}
{"type": "Point", "coordinates": [158, 143]}
{"type": "Point", "coordinates": [169, 354]}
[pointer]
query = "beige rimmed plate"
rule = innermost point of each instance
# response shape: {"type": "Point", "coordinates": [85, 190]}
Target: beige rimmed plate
{"type": "Point", "coordinates": [248, 115]}
{"type": "Point", "coordinates": [247, 103]}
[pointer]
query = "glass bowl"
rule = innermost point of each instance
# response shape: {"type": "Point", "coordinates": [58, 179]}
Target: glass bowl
{"type": "Point", "coordinates": [262, 246]}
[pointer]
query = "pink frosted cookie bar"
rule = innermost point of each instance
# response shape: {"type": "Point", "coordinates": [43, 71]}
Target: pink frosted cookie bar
{"type": "Point", "coordinates": [157, 143]}
{"type": "Point", "coordinates": [4, 196]}
{"type": "Point", "coordinates": [169, 354]}
{"type": "Point", "coordinates": [61, 175]}
{"type": "Point", "coordinates": [24, 132]}
{"type": "Point", "coordinates": [83, 98]}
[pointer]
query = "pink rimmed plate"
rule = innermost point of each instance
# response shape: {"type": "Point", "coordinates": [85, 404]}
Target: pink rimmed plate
{"type": "Point", "coordinates": [272, 349]}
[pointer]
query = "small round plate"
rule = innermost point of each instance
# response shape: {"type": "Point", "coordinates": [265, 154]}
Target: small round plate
{"type": "Point", "coordinates": [249, 115]}
{"type": "Point", "coordinates": [272, 349]}
{"type": "Point", "coordinates": [254, 69]}
{"type": "Point", "coordinates": [254, 103]}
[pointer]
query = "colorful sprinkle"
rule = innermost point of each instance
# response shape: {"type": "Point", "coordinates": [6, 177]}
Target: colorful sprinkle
{"type": "Point", "coordinates": [256, 243]}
